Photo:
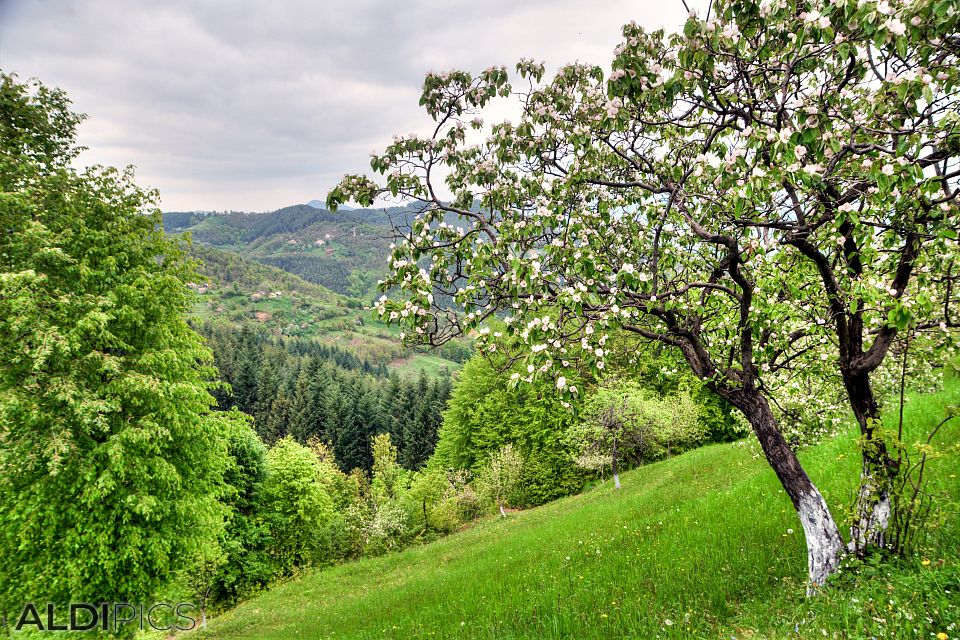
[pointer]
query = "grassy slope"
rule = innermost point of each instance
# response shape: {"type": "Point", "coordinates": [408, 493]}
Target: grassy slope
{"type": "Point", "coordinates": [706, 540]}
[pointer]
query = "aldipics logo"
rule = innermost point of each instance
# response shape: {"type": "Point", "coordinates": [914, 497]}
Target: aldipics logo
{"type": "Point", "coordinates": [109, 616]}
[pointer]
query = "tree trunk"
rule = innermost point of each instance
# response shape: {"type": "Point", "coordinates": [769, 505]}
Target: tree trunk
{"type": "Point", "coordinates": [613, 466]}
{"type": "Point", "coordinates": [824, 544]}
{"type": "Point", "coordinates": [872, 509]}
{"type": "Point", "coordinates": [503, 513]}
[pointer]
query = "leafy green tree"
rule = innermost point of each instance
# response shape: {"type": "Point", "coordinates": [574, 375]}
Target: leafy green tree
{"type": "Point", "coordinates": [346, 492]}
{"type": "Point", "coordinates": [296, 506]}
{"type": "Point", "coordinates": [111, 457]}
{"type": "Point", "coordinates": [487, 411]}
{"type": "Point", "coordinates": [389, 480]}
{"type": "Point", "coordinates": [247, 566]}
{"type": "Point", "coordinates": [662, 371]}
{"type": "Point", "coordinates": [499, 478]}
{"type": "Point", "coordinates": [200, 577]}
{"type": "Point", "coordinates": [622, 421]}
{"type": "Point", "coordinates": [430, 499]}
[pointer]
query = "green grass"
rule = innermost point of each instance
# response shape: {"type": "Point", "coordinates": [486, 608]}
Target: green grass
{"type": "Point", "coordinates": [702, 545]}
{"type": "Point", "coordinates": [417, 362]}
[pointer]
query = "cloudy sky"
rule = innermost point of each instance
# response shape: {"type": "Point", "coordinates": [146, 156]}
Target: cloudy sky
{"type": "Point", "coordinates": [252, 105]}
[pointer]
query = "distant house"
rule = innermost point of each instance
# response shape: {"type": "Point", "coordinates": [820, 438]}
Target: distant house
{"type": "Point", "coordinates": [199, 288]}
{"type": "Point", "coordinates": [257, 296]}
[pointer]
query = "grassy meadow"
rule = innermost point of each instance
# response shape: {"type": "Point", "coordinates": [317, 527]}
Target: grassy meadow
{"type": "Point", "coordinates": [705, 544]}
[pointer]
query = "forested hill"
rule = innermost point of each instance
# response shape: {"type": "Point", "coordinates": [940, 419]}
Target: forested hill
{"type": "Point", "coordinates": [343, 251]}
{"type": "Point", "coordinates": [310, 391]}
{"type": "Point", "coordinates": [238, 292]}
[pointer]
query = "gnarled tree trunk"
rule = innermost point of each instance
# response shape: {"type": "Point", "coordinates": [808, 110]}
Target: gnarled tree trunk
{"type": "Point", "coordinates": [824, 544]}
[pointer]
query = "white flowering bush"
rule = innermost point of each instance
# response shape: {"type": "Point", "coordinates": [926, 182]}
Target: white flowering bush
{"type": "Point", "coordinates": [772, 191]}
{"type": "Point", "coordinates": [385, 530]}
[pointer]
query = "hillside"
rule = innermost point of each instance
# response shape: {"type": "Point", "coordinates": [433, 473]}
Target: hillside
{"type": "Point", "coordinates": [241, 291]}
{"type": "Point", "coordinates": [702, 545]}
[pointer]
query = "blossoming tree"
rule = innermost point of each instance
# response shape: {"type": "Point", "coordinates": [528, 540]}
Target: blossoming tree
{"type": "Point", "coordinates": [772, 192]}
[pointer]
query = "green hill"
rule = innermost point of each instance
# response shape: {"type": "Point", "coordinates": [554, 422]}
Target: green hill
{"type": "Point", "coordinates": [702, 545]}
{"type": "Point", "coordinates": [241, 291]}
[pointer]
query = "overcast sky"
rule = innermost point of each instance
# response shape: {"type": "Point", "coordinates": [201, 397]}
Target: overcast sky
{"type": "Point", "coordinates": [253, 105]}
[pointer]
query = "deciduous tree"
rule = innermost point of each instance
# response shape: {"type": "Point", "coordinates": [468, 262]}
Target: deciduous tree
{"type": "Point", "coordinates": [111, 459]}
{"type": "Point", "coordinates": [772, 192]}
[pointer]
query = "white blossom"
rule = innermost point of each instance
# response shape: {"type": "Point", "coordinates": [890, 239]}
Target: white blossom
{"type": "Point", "coordinates": [895, 27]}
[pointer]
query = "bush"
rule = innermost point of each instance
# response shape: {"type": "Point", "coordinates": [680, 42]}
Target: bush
{"type": "Point", "coordinates": [498, 479]}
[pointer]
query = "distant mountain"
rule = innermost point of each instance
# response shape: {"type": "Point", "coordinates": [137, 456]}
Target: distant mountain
{"type": "Point", "coordinates": [320, 204]}
{"type": "Point", "coordinates": [344, 251]}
